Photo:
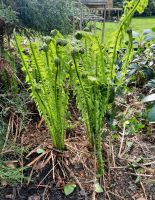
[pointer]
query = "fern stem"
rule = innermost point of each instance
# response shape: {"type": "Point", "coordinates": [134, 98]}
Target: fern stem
{"type": "Point", "coordinates": [126, 18]}
{"type": "Point", "coordinates": [97, 136]}
{"type": "Point", "coordinates": [127, 60]}
{"type": "Point", "coordinates": [48, 102]}
{"type": "Point", "coordinates": [31, 81]}
{"type": "Point", "coordinates": [130, 14]}
{"type": "Point", "coordinates": [59, 131]}
{"type": "Point", "coordinates": [91, 139]}
{"type": "Point", "coordinates": [58, 100]}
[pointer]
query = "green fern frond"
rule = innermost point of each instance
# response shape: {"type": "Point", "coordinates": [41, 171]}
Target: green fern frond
{"type": "Point", "coordinates": [48, 84]}
{"type": "Point", "coordinates": [95, 78]}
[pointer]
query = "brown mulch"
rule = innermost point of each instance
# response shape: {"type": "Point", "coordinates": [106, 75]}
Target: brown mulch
{"type": "Point", "coordinates": [129, 176]}
{"type": "Point", "coordinates": [121, 181]}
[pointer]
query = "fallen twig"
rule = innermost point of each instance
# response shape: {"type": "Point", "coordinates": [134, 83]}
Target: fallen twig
{"type": "Point", "coordinates": [145, 175]}
{"type": "Point", "coordinates": [116, 195]}
{"type": "Point", "coordinates": [122, 141]}
{"type": "Point", "coordinates": [76, 179]}
{"type": "Point", "coordinates": [143, 188]}
{"type": "Point", "coordinates": [38, 158]}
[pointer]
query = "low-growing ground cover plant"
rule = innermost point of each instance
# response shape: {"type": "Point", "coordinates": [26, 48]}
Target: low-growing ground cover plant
{"type": "Point", "coordinates": [150, 99]}
{"type": "Point", "coordinates": [141, 69]}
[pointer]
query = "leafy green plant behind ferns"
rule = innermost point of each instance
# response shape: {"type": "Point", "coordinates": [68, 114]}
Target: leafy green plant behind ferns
{"type": "Point", "coordinates": [46, 74]}
{"type": "Point", "coordinates": [96, 79]}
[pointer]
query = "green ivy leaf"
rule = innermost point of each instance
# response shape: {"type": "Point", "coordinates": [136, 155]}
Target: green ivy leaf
{"type": "Point", "coordinates": [137, 179]}
{"type": "Point", "coordinates": [92, 78]}
{"type": "Point", "coordinates": [149, 98]}
{"type": "Point", "coordinates": [148, 38]}
{"type": "Point", "coordinates": [147, 31]}
{"type": "Point", "coordinates": [151, 114]}
{"type": "Point", "coordinates": [129, 144]}
{"type": "Point", "coordinates": [135, 34]}
{"type": "Point", "coordinates": [98, 188]}
{"type": "Point", "coordinates": [153, 29]}
{"type": "Point", "coordinates": [153, 46]}
{"type": "Point", "coordinates": [40, 151]}
{"type": "Point", "coordinates": [69, 188]}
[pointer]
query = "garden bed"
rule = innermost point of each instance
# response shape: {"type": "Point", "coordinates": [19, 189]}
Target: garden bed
{"type": "Point", "coordinates": [130, 176]}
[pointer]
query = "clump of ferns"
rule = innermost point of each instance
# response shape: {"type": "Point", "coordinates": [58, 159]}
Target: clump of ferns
{"type": "Point", "coordinates": [46, 69]}
{"type": "Point", "coordinates": [90, 87]}
{"type": "Point", "coordinates": [96, 79]}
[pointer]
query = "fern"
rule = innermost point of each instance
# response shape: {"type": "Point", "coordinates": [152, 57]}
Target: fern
{"type": "Point", "coordinates": [46, 73]}
{"type": "Point", "coordinates": [95, 81]}
{"type": "Point", "coordinates": [131, 6]}
{"type": "Point", "coordinates": [90, 87]}
{"type": "Point", "coordinates": [93, 74]}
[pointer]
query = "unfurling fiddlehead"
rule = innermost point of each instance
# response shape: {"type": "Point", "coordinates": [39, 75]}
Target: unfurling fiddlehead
{"type": "Point", "coordinates": [46, 73]}
{"type": "Point", "coordinates": [95, 84]}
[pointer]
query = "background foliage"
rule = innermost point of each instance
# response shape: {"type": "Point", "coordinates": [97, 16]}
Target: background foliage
{"type": "Point", "coordinates": [48, 14]}
{"type": "Point", "coordinates": [43, 15]}
{"type": "Point", "coordinates": [150, 10]}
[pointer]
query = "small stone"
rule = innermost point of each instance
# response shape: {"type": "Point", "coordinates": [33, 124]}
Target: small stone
{"type": "Point", "coordinates": [10, 196]}
{"type": "Point", "coordinates": [83, 193]}
{"type": "Point", "coordinates": [3, 182]}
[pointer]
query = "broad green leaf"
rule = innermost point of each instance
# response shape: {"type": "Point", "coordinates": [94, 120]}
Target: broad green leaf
{"type": "Point", "coordinates": [98, 188]}
{"type": "Point", "coordinates": [153, 29]}
{"type": "Point", "coordinates": [135, 34]}
{"type": "Point", "coordinates": [148, 38]}
{"type": "Point", "coordinates": [151, 115]}
{"type": "Point", "coordinates": [69, 188]}
{"type": "Point", "coordinates": [149, 98]}
{"type": "Point", "coordinates": [151, 83]}
{"type": "Point", "coordinates": [153, 46]}
{"type": "Point", "coordinates": [115, 136]}
{"type": "Point", "coordinates": [40, 151]}
{"type": "Point", "coordinates": [92, 78]}
{"type": "Point", "coordinates": [140, 160]}
{"type": "Point", "coordinates": [129, 144]}
{"type": "Point", "coordinates": [147, 31]}
{"type": "Point", "coordinates": [137, 181]}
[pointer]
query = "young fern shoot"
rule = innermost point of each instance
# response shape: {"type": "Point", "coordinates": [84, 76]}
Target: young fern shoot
{"type": "Point", "coordinates": [95, 79]}
{"type": "Point", "coordinates": [46, 71]}
{"type": "Point", "coordinates": [90, 89]}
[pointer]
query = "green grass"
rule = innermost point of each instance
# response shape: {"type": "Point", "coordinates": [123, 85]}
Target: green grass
{"type": "Point", "coordinates": [138, 25]}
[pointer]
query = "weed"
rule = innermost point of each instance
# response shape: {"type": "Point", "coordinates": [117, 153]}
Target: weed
{"type": "Point", "coordinates": [11, 174]}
